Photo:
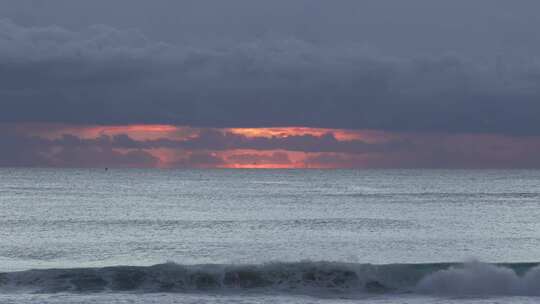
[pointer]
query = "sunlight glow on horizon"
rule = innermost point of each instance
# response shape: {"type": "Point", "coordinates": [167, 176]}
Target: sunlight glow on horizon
{"type": "Point", "coordinates": [168, 146]}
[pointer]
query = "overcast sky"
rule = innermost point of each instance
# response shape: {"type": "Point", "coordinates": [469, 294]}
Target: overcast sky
{"type": "Point", "coordinates": [397, 27]}
{"type": "Point", "coordinates": [418, 66]}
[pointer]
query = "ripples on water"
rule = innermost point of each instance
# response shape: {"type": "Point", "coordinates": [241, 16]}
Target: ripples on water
{"type": "Point", "coordinates": [95, 218]}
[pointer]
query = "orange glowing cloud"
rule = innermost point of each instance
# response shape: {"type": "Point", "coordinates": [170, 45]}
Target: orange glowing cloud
{"type": "Point", "coordinates": [254, 159]}
{"type": "Point", "coordinates": [235, 158]}
{"type": "Point", "coordinates": [339, 134]}
{"type": "Point", "coordinates": [166, 146]}
{"type": "Point", "coordinates": [230, 159]}
{"type": "Point", "coordinates": [139, 132]}
{"type": "Point", "coordinates": [145, 131]}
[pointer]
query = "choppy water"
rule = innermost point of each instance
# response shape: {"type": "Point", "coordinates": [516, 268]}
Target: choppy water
{"type": "Point", "coordinates": [270, 236]}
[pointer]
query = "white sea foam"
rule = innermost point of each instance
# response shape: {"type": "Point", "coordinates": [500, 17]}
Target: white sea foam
{"type": "Point", "coordinates": [477, 278]}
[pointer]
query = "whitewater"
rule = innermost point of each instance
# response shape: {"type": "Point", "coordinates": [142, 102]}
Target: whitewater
{"type": "Point", "coordinates": [269, 236]}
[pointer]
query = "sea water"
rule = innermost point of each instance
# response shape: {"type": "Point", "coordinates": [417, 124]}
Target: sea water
{"type": "Point", "coordinates": [269, 236]}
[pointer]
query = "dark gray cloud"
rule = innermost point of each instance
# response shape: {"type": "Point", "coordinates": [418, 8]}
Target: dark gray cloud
{"type": "Point", "coordinates": [476, 27]}
{"type": "Point", "coordinates": [100, 157]}
{"type": "Point", "coordinates": [199, 159]}
{"type": "Point", "coordinates": [102, 75]}
{"type": "Point", "coordinates": [20, 150]}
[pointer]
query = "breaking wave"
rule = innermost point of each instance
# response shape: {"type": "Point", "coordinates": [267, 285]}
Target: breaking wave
{"type": "Point", "coordinates": [310, 278]}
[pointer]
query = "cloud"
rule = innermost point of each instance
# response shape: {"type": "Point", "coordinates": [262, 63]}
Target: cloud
{"type": "Point", "coordinates": [102, 75]}
{"type": "Point", "coordinates": [278, 158]}
{"type": "Point", "coordinates": [199, 160]}
{"type": "Point", "coordinates": [336, 160]}
{"type": "Point", "coordinates": [210, 148]}
{"type": "Point", "coordinates": [102, 157]}
{"type": "Point", "coordinates": [219, 140]}
{"type": "Point", "coordinates": [20, 150]}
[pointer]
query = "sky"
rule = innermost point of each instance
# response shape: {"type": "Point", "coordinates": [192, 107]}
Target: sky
{"type": "Point", "coordinates": [270, 84]}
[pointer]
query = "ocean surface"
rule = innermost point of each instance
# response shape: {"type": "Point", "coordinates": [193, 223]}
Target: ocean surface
{"type": "Point", "coordinates": [269, 236]}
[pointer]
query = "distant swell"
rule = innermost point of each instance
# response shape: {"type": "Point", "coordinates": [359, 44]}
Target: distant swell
{"type": "Point", "coordinates": [313, 278]}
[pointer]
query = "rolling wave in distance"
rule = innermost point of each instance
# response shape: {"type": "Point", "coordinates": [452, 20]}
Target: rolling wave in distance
{"type": "Point", "coordinates": [324, 279]}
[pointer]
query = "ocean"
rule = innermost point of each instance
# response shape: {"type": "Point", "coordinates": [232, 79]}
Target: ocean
{"type": "Point", "coordinates": [269, 236]}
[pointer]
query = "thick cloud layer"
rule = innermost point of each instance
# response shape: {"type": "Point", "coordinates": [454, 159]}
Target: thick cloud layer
{"type": "Point", "coordinates": [446, 84]}
{"type": "Point", "coordinates": [480, 27]}
{"type": "Point", "coordinates": [101, 75]}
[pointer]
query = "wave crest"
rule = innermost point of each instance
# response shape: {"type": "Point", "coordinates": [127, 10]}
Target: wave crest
{"type": "Point", "coordinates": [312, 278]}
